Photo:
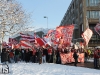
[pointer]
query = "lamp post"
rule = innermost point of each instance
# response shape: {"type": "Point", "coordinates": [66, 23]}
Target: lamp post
{"type": "Point", "coordinates": [47, 20]}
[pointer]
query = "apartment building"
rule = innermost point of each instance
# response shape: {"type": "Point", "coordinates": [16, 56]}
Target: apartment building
{"type": "Point", "coordinates": [77, 13]}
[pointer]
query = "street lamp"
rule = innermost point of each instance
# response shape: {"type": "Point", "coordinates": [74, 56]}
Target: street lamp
{"type": "Point", "coordinates": [47, 20]}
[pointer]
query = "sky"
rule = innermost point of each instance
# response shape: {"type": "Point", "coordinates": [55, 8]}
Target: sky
{"type": "Point", "coordinates": [22, 68]}
{"type": "Point", "coordinates": [53, 9]}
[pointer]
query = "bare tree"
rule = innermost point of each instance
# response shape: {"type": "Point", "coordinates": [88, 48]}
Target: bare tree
{"type": "Point", "coordinates": [13, 18]}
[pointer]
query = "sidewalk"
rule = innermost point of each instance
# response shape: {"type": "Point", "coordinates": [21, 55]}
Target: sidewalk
{"type": "Point", "coordinates": [88, 64]}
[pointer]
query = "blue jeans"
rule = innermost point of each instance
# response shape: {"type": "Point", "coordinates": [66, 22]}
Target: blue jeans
{"type": "Point", "coordinates": [12, 59]}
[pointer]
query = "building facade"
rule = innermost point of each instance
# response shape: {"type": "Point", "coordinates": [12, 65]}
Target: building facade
{"type": "Point", "coordinates": [77, 13]}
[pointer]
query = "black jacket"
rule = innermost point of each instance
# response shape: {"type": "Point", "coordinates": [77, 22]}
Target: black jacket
{"type": "Point", "coordinates": [75, 56]}
{"type": "Point", "coordinates": [4, 56]}
{"type": "Point", "coordinates": [39, 54]}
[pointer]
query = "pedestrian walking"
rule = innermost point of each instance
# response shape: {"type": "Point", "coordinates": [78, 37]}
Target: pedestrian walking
{"type": "Point", "coordinates": [75, 56]}
{"type": "Point", "coordinates": [96, 58]}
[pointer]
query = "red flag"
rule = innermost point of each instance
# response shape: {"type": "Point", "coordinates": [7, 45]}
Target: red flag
{"type": "Point", "coordinates": [25, 44]}
{"type": "Point", "coordinates": [87, 35]}
{"type": "Point", "coordinates": [24, 35]}
{"type": "Point", "coordinates": [40, 41]}
{"type": "Point", "coordinates": [17, 46]}
{"type": "Point", "coordinates": [27, 37]}
{"type": "Point", "coordinates": [59, 31]}
{"type": "Point", "coordinates": [4, 44]}
{"type": "Point", "coordinates": [97, 28]}
{"type": "Point", "coordinates": [66, 33]}
{"type": "Point", "coordinates": [54, 36]}
{"type": "Point", "coordinates": [10, 44]}
{"type": "Point", "coordinates": [13, 41]}
{"type": "Point", "coordinates": [49, 33]}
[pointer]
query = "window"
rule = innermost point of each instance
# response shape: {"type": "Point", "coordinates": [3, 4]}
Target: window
{"type": "Point", "coordinates": [80, 7]}
{"type": "Point", "coordinates": [73, 5]}
{"type": "Point", "coordinates": [81, 16]}
{"type": "Point", "coordinates": [93, 14]}
{"type": "Point", "coordinates": [87, 2]}
{"type": "Point", "coordinates": [92, 2]}
{"type": "Point", "coordinates": [76, 3]}
{"type": "Point", "coordinates": [76, 21]}
{"type": "Point", "coordinates": [88, 14]}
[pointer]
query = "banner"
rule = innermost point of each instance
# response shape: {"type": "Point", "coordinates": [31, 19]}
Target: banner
{"type": "Point", "coordinates": [53, 35]}
{"type": "Point", "coordinates": [97, 28]}
{"type": "Point", "coordinates": [48, 40]}
{"type": "Point", "coordinates": [40, 41]}
{"type": "Point", "coordinates": [13, 41]}
{"type": "Point", "coordinates": [17, 46]}
{"type": "Point", "coordinates": [27, 37]}
{"type": "Point", "coordinates": [68, 58]}
{"type": "Point", "coordinates": [66, 33]}
{"type": "Point", "coordinates": [4, 45]}
{"type": "Point", "coordinates": [49, 33]}
{"type": "Point", "coordinates": [25, 44]}
{"type": "Point", "coordinates": [87, 35]}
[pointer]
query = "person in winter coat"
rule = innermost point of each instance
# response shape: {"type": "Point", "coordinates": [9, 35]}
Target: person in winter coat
{"type": "Point", "coordinates": [54, 56]}
{"type": "Point", "coordinates": [58, 59]}
{"type": "Point", "coordinates": [16, 55]}
{"type": "Point", "coordinates": [86, 56]}
{"type": "Point", "coordinates": [27, 56]}
{"type": "Point", "coordinates": [36, 56]}
{"type": "Point", "coordinates": [40, 55]}
{"type": "Point", "coordinates": [44, 55]}
{"type": "Point", "coordinates": [75, 56]}
{"type": "Point", "coordinates": [50, 54]}
{"type": "Point", "coordinates": [96, 57]}
{"type": "Point", "coordinates": [23, 54]}
{"type": "Point", "coordinates": [4, 56]}
{"type": "Point", "coordinates": [11, 56]}
{"type": "Point", "coordinates": [33, 55]}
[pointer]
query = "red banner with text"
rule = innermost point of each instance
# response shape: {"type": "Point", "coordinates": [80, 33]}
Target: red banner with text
{"type": "Point", "coordinates": [68, 58]}
{"type": "Point", "coordinates": [66, 33]}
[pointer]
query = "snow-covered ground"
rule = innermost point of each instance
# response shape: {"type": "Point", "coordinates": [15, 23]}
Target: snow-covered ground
{"type": "Point", "coordinates": [22, 68]}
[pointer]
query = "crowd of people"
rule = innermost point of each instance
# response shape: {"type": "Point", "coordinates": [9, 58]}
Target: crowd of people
{"type": "Point", "coordinates": [38, 55]}
{"type": "Point", "coordinates": [46, 55]}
